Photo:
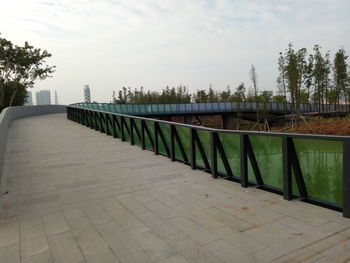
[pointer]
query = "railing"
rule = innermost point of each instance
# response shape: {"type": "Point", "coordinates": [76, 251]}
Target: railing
{"type": "Point", "coordinates": [312, 168]}
{"type": "Point", "coordinates": [201, 108]}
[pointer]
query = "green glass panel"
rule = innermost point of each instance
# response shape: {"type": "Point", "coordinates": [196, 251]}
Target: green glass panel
{"type": "Point", "coordinates": [98, 123]}
{"type": "Point", "coordinates": [165, 129]}
{"type": "Point", "coordinates": [117, 127]}
{"type": "Point", "coordinates": [321, 163]}
{"type": "Point", "coordinates": [92, 119]}
{"type": "Point", "coordinates": [118, 108]}
{"type": "Point", "coordinates": [126, 128]}
{"type": "Point", "coordinates": [104, 126]}
{"type": "Point", "coordinates": [137, 132]}
{"type": "Point", "coordinates": [150, 127]}
{"type": "Point", "coordinates": [204, 137]}
{"type": "Point", "coordinates": [268, 154]}
{"type": "Point", "coordinates": [110, 128]}
{"type": "Point", "coordinates": [231, 145]}
{"type": "Point", "coordinates": [184, 135]}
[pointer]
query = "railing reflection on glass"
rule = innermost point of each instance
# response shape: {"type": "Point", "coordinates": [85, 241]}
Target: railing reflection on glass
{"type": "Point", "coordinates": [311, 168]}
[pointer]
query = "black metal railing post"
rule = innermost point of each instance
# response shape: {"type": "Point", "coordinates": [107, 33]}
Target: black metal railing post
{"type": "Point", "coordinates": [214, 154]}
{"type": "Point", "coordinates": [192, 149]}
{"type": "Point", "coordinates": [143, 141]}
{"type": "Point", "coordinates": [132, 137]}
{"type": "Point", "coordinates": [287, 169]}
{"type": "Point", "coordinates": [172, 142]}
{"type": "Point", "coordinates": [122, 136]}
{"type": "Point", "coordinates": [244, 159]}
{"type": "Point", "coordinates": [156, 144]}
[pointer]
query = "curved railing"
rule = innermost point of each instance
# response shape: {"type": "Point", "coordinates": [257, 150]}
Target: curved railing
{"type": "Point", "coordinates": [200, 108]}
{"type": "Point", "coordinates": [313, 168]}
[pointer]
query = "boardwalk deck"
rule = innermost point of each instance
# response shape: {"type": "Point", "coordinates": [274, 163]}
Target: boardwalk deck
{"type": "Point", "coordinates": [76, 195]}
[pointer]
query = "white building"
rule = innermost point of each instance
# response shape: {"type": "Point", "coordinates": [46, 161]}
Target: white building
{"type": "Point", "coordinates": [29, 99]}
{"type": "Point", "coordinates": [43, 97]}
{"type": "Point", "coordinates": [87, 97]}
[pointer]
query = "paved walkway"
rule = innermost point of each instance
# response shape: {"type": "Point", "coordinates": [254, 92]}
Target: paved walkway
{"type": "Point", "coordinates": [76, 195]}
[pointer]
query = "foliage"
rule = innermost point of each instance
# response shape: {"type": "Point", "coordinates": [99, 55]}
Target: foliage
{"type": "Point", "coordinates": [20, 67]}
{"type": "Point", "coordinates": [309, 80]}
{"type": "Point", "coordinates": [341, 76]}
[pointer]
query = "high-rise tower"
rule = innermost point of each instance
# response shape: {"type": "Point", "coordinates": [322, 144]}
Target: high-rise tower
{"type": "Point", "coordinates": [87, 97]}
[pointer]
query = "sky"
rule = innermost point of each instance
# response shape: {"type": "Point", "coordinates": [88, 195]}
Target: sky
{"type": "Point", "coordinates": [109, 44]}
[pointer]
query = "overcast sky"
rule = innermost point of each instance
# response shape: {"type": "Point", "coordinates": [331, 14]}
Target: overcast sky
{"type": "Point", "coordinates": [153, 43]}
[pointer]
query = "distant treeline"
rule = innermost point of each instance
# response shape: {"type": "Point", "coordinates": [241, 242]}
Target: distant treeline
{"type": "Point", "coordinates": [303, 78]}
{"type": "Point", "coordinates": [180, 94]}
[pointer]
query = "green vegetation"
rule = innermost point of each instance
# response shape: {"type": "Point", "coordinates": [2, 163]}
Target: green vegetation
{"type": "Point", "coordinates": [308, 79]}
{"type": "Point", "coordinates": [20, 67]}
{"type": "Point", "coordinates": [303, 78]}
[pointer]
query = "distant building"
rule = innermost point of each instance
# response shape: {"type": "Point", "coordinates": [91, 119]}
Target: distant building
{"type": "Point", "coordinates": [43, 97]}
{"type": "Point", "coordinates": [56, 98]}
{"type": "Point", "coordinates": [29, 99]}
{"type": "Point", "coordinates": [87, 97]}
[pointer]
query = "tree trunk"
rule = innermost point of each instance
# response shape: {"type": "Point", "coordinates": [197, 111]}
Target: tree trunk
{"type": "Point", "coordinates": [13, 97]}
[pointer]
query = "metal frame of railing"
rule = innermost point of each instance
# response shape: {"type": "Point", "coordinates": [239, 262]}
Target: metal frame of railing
{"type": "Point", "coordinates": [200, 108]}
{"type": "Point", "coordinates": [102, 120]}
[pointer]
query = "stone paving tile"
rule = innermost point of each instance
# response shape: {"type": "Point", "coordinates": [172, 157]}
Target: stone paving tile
{"type": "Point", "coordinates": [153, 245]}
{"type": "Point", "coordinates": [229, 253]}
{"type": "Point", "coordinates": [9, 233]}
{"type": "Point", "coordinates": [10, 254]}
{"type": "Point", "coordinates": [81, 196]}
{"type": "Point", "coordinates": [55, 223]}
{"type": "Point", "coordinates": [193, 230]}
{"type": "Point", "coordinates": [90, 242]}
{"type": "Point", "coordinates": [33, 237]}
{"type": "Point", "coordinates": [45, 257]}
{"type": "Point", "coordinates": [64, 248]}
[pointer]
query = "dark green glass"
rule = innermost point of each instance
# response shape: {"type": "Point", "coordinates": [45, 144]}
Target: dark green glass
{"type": "Point", "coordinates": [231, 145]}
{"type": "Point", "coordinates": [204, 137]}
{"type": "Point", "coordinates": [137, 132]}
{"type": "Point", "coordinates": [268, 154]}
{"type": "Point", "coordinates": [109, 124]}
{"type": "Point", "coordinates": [150, 127]}
{"type": "Point", "coordinates": [126, 128]}
{"type": "Point", "coordinates": [184, 135]}
{"type": "Point", "coordinates": [165, 129]}
{"type": "Point", "coordinates": [104, 126]}
{"type": "Point", "coordinates": [321, 163]}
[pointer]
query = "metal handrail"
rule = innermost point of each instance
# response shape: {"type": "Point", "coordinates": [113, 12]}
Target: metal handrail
{"type": "Point", "coordinates": [103, 120]}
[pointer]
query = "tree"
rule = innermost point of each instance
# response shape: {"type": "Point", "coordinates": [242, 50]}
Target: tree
{"type": "Point", "coordinates": [212, 95]}
{"type": "Point", "coordinates": [254, 79]}
{"type": "Point", "coordinates": [308, 77]}
{"type": "Point", "coordinates": [239, 95]}
{"type": "Point", "coordinates": [340, 75]}
{"type": "Point", "coordinates": [201, 96]}
{"type": "Point", "coordinates": [321, 71]}
{"type": "Point", "coordinates": [21, 66]}
{"type": "Point", "coordinates": [281, 79]}
{"type": "Point", "coordinates": [225, 95]}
